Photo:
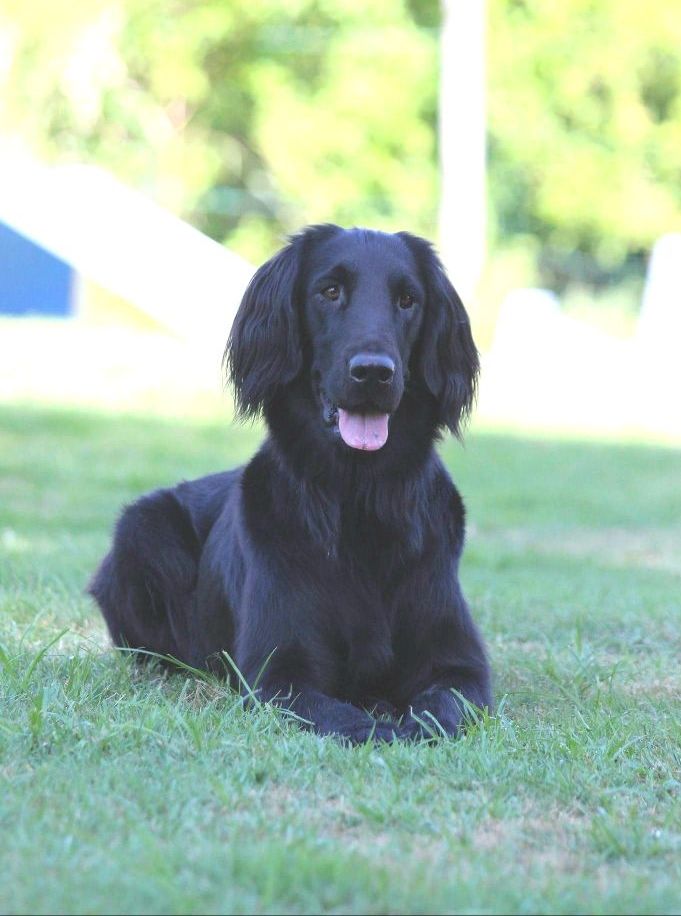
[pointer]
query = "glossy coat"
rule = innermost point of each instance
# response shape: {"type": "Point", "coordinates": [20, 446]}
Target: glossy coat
{"type": "Point", "coordinates": [329, 575]}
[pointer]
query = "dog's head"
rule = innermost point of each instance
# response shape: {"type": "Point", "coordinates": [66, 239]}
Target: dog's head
{"type": "Point", "coordinates": [360, 314]}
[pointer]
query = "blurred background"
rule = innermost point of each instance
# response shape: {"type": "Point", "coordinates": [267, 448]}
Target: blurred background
{"type": "Point", "coordinates": [152, 154]}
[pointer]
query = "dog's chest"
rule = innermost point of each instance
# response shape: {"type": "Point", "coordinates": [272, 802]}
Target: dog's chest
{"type": "Point", "coordinates": [363, 624]}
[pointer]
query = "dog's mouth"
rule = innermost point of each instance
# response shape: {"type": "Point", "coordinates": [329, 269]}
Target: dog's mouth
{"type": "Point", "coordinates": [366, 431]}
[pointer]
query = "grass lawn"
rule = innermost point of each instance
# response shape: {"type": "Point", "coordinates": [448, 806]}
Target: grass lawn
{"type": "Point", "coordinates": [128, 792]}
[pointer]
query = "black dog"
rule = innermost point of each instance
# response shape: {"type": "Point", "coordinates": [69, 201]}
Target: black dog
{"type": "Point", "coordinates": [327, 567]}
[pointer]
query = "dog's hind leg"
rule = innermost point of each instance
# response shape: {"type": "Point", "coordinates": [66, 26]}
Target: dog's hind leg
{"type": "Point", "coordinates": [146, 584]}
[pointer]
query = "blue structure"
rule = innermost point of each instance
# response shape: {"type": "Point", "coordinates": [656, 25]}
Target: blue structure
{"type": "Point", "coordinates": [32, 279]}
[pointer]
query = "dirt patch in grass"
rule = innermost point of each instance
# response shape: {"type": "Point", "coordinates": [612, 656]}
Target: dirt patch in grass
{"type": "Point", "coordinates": [668, 686]}
{"type": "Point", "coordinates": [549, 841]}
{"type": "Point", "coordinates": [547, 837]}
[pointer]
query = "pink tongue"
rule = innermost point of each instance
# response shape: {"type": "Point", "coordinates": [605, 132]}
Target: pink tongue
{"type": "Point", "coordinates": [368, 431]}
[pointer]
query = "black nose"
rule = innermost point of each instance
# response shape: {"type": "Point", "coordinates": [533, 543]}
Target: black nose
{"type": "Point", "coordinates": [371, 367]}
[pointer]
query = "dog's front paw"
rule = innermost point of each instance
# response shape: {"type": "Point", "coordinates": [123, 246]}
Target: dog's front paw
{"type": "Point", "coordinates": [378, 732]}
{"type": "Point", "coordinates": [423, 726]}
{"type": "Point", "coordinates": [413, 730]}
{"type": "Point", "coordinates": [381, 709]}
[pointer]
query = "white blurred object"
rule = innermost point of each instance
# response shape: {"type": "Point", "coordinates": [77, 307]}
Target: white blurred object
{"type": "Point", "coordinates": [523, 310]}
{"type": "Point", "coordinates": [659, 324]}
{"type": "Point", "coordinates": [531, 323]}
{"type": "Point", "coordinates": [52, 361]}
{"type": "Point", "coordinates": [550, 370]}
{"type": "Point", "coordinates": [462, 142]}
{"type": "Point", "coordinates": [126, 243]}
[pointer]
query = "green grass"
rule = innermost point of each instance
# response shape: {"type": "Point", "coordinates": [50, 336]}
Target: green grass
{"type": "Point", "coordinates": [129, 792]}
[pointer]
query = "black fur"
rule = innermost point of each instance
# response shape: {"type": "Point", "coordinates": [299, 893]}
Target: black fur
{"type": "Point", "coordinates": [329, 574]}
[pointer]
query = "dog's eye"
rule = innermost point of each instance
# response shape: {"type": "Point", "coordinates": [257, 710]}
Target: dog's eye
{"type": "Point", "coordinates": [406, 301]}
{"type": "Point", "coordinates": [331, 292]}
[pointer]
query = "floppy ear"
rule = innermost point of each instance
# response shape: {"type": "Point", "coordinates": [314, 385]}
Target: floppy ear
{"type": "Point", "coordinates": [447, 357]}
{"type": "Point", "coordinates": [264, 351]}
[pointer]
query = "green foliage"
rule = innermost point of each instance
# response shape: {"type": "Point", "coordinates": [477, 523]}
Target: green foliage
{"type": "Point", "coordinates": [254, 118]}
{"type": "Point", "coordinates": [585, 119]}
{"type": "Point", "coordinates": [133, 791]}
{"type": "Point", "coordinates": [250, 118]}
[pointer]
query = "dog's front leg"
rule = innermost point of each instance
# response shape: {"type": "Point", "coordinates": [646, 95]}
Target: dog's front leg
{"type": "Point", "coordinates": [450, 676]}
{"type": "Point", "coordinates": [286, 656]}
{"type": "Point", "coordinates": [327, 715]}
{"type": "Point", "coordinates": [440, 711]}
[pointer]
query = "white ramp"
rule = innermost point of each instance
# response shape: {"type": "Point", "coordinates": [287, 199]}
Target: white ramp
{"type": "Point", "coordinates": [124, 242]}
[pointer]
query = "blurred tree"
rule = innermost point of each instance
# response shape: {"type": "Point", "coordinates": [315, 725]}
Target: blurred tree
{"type": "Point", "coordinates": [585, 129]}
{"type": "Point", "coordinates": [252, 118]}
